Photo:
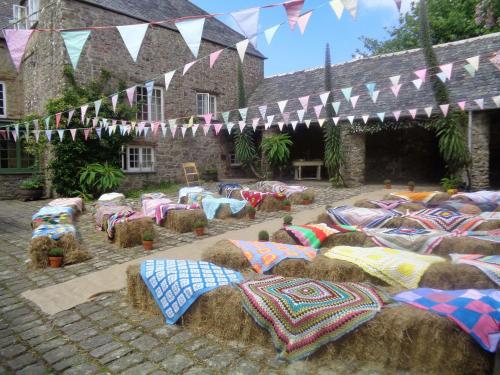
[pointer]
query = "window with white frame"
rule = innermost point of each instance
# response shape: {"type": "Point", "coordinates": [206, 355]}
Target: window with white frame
{"type": "Point", "coordinates": [149, 108]}
{"type": "Point", "coordinates": [33, 8]}
{"type": "Point", "coordinates": [138, 159]}
{"type": "Point", "coordinates": [3, 100]}
{"type": "Point", "coordinates": [205, 103]}
{"type": "Point", "coordinates": [26, 15]}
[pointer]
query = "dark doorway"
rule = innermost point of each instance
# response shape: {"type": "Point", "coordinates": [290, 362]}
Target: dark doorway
{"type": "Point", "coordinates": [403, 155]}
{"type": "Point", "coordinates": [495, 150]}
{"type": "Point", "coordinates": [308, 144]}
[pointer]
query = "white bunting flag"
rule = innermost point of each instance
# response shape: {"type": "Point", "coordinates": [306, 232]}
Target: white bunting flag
{"type": "Point", "coordinates": [248, 21]}
{"type": "Point", "coordinates": [413, 113]}
{"type": "Point", "coordinates": [336, 120]}
{"type": "Point", "coordinates": [280, 125]}
{"type": "Point", "coordinates": [192, 30]}
{"type": "Point", "coordinates": [381, 116]}
{"type": "Point", "coordinates": [269, 33]}
{"type": "Point", "coordinates": [338, 7]}
{"type": "Point", "coordinates": [206, 128]}
{"type": "Point", "coordinates": [243, 113]}
{"type": "Point", "coordinates": [395, 80]}
{"type": "Point", "coordinates": [496, 100]}
{"type": "Point", "coordinates": [428, 111]}
{"type": "Point", "coordinates": [321, 121]}
{"type": "Point", "coordinates": [70, 115]}
{"type": "Point", "coordinates": [270, 120]}
{"type": "Point", "coordinates": [163, 129]}
{"type": "Point", "coordinates": [37, 135]}
{"type": "Point", "coordinates": [132, 36]}
{"type": "Point", "coordinates": [375, 95]}
{"type": "Point", "coordinates": [241, 125]}
{"type": "Point", "coordinates": [262, 110]}
{"type": "Point", "coordinates": [183, 131]}
{"type": "Point", "coordinates": [300, 114]}
{"type": "Point", "coordinates": [324, 97]}
{"type": "Point", "coordinates": [83, 111]}
{"type": "Point", "coordinates": [173, 127]}
{"type": "Point", "coordinates": [308, 123]}
{"type": "Point", "coordinates": [282, 105]}
{"type": "Point", "coordinates": [365, 118]}
{"type": "Point", "coordinates": [446, 69]}
{"type": "Point", "coordinates": [97, 106]}
{"type": "Point", "coordinates": [444, 109]}
{"type": "Point", "coordinates": [352, 7]}
{"type": "Point", "coordinates": [474, 62]}
{"type": "Point", "coordinates": [255, 123]}
{"type": "Point", "coordinates": [418, 83]}
{"type": "Point", "coordinates": [480, 103]}
{"type": "Point", "coordinates": [351, 119]}
{"type": "Point", "coordinates": [354, 101]}
{"type": "Point", "coordinates": [131, 95]}
{"type": "Point", "coordinates": [241, 47]}
{"type": "Point", "coordinates": [168, 79]}
{"type": "Point", "coordinates": [194, 128]}
{"type": "Point", "coordinates": [73, 133]}
{"type": "Point", "coordinates": [294, 124]}
{"type": "Point", "coordinates": [396, 115]}
{"type": "Point", "coordinates": [114, 102]}
{"type": "Point", "coordinates": [229, 127]}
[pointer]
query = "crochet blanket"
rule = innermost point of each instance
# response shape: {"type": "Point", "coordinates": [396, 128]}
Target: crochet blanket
{"type": "Point", "coordinates": [256, 197]}
{"type": "Point", "coordinates": [183, 192]}
{"type": "Point", "coordinates": [53, 215]}
{"type": "Point", "coordinates": [111, 199]}
{"type": "Point", "coordinates": [118, 217]}
{"type": "Point", "coordinates": [197, 198]}
{"type": "Point", "coordinates": [176, 284]}
{"type": "Point", "coordinates": [303, 314]}
{"type": "Point", "coordinates": [158, 195]}
{"type": "Point", "coordinates": [411, 239]}
{"type": "Point", "coordinates": [483, 196]}
{"type": "Point", "coordinates": [68, 202]}
{"type": "Point", "coordinates": [265, 255]}
{"type": "Point", "coordinates": [227, 188]}
{"type": "Point", "coordinates": [211, 205]}
{"type": "Point", "coordinates": [485, 235]}
{"type": "Point", "coordinates": [362, 217]}
{"type": "Point", "coordinates": [475, 311]}
{"type": "Point", "coordinates": [490, 265]}
{"type": "Point", "coordinates": [395, 267]}
{"type": "Point", "coordinates": [103, 211]}
{"type": "Point", "coordinates": [490, 216]}
{"type": "Point", "coordinates": [314, 235]}
{"type": "Point", "coordinates": [421, 196]}
{"type": "Point", "coordinates": [279, 188]}
{"type": "Point", "coordinates": [388, 204]}
{"type": "Point", "coordinates": [54, 231]}
{"type": "Point", "coordinates": [149, 205]}
{"type": "Point", "coordinates": [162, 210]}
{"type": "Point", "coordinates": [447, 220]}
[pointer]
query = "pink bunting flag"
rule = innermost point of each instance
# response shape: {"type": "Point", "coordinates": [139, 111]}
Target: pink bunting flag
{"type": "Point", "coordinates": [208, 118]}
{"type": "Point", "coordinates": [217, 128]}
{"type": "Point", "coordinates": [114, 101]}
{"type": "Point", "coordinates": [131, 94]}
{"type": "Point", "coordinates": [58, 119]}
{"type": "Point", "coordinates": [14, 135]}
{"type": "Point", "coordinates": [173, 130]}
{"type": "Point", "coordinates": [398, 4]}
{"type": "Point", "coordinates": [206, 128]}
{"type": "Point", "coordinates": [214, 56]}
{"type": "Point", "coordinates": [286, 117]}
{"type": "Point", "coordinates": [354, 101]}
{"type": "Point", "coordinates": [73, 133]}
{"type": "Point", "coordinates": [293, 9]}
{"type": "Point", "coordinates": [94, 122]}
{"type": "Point", "coordinates": [495, 60]}
{"type": "Point", "coordinates": [461, 105]}
{"type": "Point", "coordinates": [480, 103]}
{"type": "Point", "coordinates": [396, 114]}
{"type": "Point", "coordinates": [188, 66]}
{"type": "Point", "coordinates": [154, 127]}
{"type": "Point", "coordinates": [317, 110]}
{"type": "Point", "coordinates": [86, 133]}
{"type": "Point", "coordinates": [255, 123]}
{"type": "Point", "coordinates": [70, 115]}
{"type": "Point", "coordinates": [241, 125]}
{"type": "Point", "coordinates": [304, 101]}
{"type": "Point", "coordinates": [141, 127]}
{"type": "Point", "coordinates": [447, 69]}
{"type": "Point", "coordinates": [444, 108]}
{"type": "Point", "coordinates": [303, 20]}
{"type": "Point", "coordinates": [17, 40]}
{"type": "Point", "coordinates": [395, 89]}
{"type": "Point", "coordinates": [83, 111]}
{"type": "Point", "coordinates": [413, 113]}
{"type": "Point", "coordinates": [421, 74]}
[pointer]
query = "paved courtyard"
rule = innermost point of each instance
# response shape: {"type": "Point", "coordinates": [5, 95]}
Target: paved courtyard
{"type": "Point", "coordinates": [105, 335]}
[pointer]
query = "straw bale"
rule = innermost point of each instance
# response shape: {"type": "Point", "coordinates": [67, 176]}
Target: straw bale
{"type": "Point", "coordinates": [324, 218]}
{"type": "Point", "coordinates": [347, 239]}
{"type": "Point", "coordinates": [466, 245]}
{"type": "Point", "coordinates": [438, 198]}
{"type": "Point", "coordinates": [447, 275]}
{"type": "Point", "coordinates": [224, 212]}
{"type": "Point", "coordinates": [297, 198]}
{"type": "Point", "coordinates": [270, 204]}
{"type": "Point", "coordinates": [226, 254]}
{"type": "Point", "coordinates": [489, 225]}
{"type": "Point", "coordinates": [182, 220]}
{"type": "Point", "coordinates": [72, 251]}
{"type": "Point", "coordinates": [235, 194]}
{"type": "Point", "coordinates": [129, 233]}
{"type": "Point", "coordinates": [400, 221]}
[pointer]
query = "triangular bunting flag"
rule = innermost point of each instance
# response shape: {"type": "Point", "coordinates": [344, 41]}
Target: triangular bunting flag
{"type": "Point", "coordinates": [17, 40]}
{"type": "Point", "coordinates": [395, 89]}
{"type": "Point", "coordinates": [365, 118]}
{"type": "Point", "coordinates": [229, 127]}
{"type": "Point", "coordinates": [395, 80]}
{"type": "Point", "coordinates": [114, 102]}
{"type": "Point", "coordinates": [74, 42]}
{"type": "Point", "coordinates": [248, 21]}
{"type": "Point", "coordinates": [60, 132]}
{"type": "Point", "coordinates": [495, 60]}
{"type": "Point", "coordinates": [255, 123]}
{"type": "Point", "coordinates": [286, 117]}
{"type": "Point", "coordinates": [172, 126]}
{"type": "Point", "coordinates": [73, 133]}
{"type": "Point", "coordinates": [241, 47]}
{"type": "Point", "coordinates": [280, 125]}
{"type": "Point", "coordinates": [470, 69]}
{"type": "Point", "coordinates": [304, 101]}
{"type": "Point", "coordinates": [352, 7]}
{"type": "Point", "coordinates": [207, 117]}
{"type": "Point", "coordinates": [324, 97]}
{"type": "Point", "coordinates": [398, 4]}
{"type": "Point", "coordinates": [474, 62]}
{"type": "Point", "coordinates": [347, 93]}
{"type": "Point", "coordinates": [132, 36]}
{"type": "Point", "coordinates": [263, 110]}
{"type": "Point", "coordinates": [131, 95]}
{"type": "Point", "coordinates": [300, 114]}
{"type": "Point", "coordinates": [47, 122]}
{"type": "Point", "coordinates": [375, 95]}
{"type": "Point", "coordinates": [336, 107]}
{"type": "Point", "coordinates": [188, 66]}
{"type": "Point", "coordinates": [241, 125]}
{"type": "Point", "coordinates": [83, 111]}
{"type": "Point", "coordinates": [183, 131]}
{"type": "Point", "coordinates": [421, 74]}
{"type": "Point", "coordinates": [168, 78]}
{"type": "Point", "coordinates": [418, 83]}
{"type": "Point", "coordinates": [269, 33]}
{"type": "Point", "coordinates": [396, 115]}
{"type": "Point", "coordinates": [336, 120]}
{"type": "Point", "coordinates": [480, 103]}
{"type": "Point", "coordinates": [371, 87]}
{"type": "Point", "coordinates": [282, 105]}
{"type": "Point", "coordinates": [194, 128]}
{"type": "Point", "coordinates": [192, 30]}
{"type": "Point", "coordinates": [58, 119]}
{"type": "Point", "coordinates": [214, 56]}
{"type": "Point", "coordinates": [496, 100]}
{"type": "Point", "coordinates": [270, 120]}
{"type": "Point", "coordinates": [441, 76]}
{"type": "Point", "coordinates": [293, 9]}
{"type": "Point", "coordinates": [86, 133]}
{"type": "Point", "coordinates": [381, 116]}
{"type": "Point", "coordinates": [303, 20]}
{"type": "Point", "coordinates": [444, 109]}
{"type": "Point", "coordinates": [154, 127]}
{"type": "Point", "coordinates": [308, 123]}
{"type": "Point", "coordinates": [317, 110]}
{"type": "Point", "coordinates": [321, 121]}
{"type": "Point", "coordinates": [225, 117]}
{"type": "Point", "coordinates": [447, 69]}
{"type": "Point", "coordinates": [354, 101]}
{"type": "Point", "coordinates": [428, 111]}
{"type": "Point", "coordinates": [163, 129]}
{"type": "Point", "coordinates": [413, 113]}
{"type": "Point", "coordinates": [97, 106]}
{"type": "Point", "coordinates": [37, 135]}
{"type": "Point", "coordinates": [149, 87]}
{"type": "Point", "coordinates": [206, 128]}
{"type": "Point", "coordinates": [243, 113]}
{"type": "Point", "coordinates": [461, 105]}
{"type": "Point", "coordinates": [338, 7]}
{"type": "Point", "coordinates": [14, 135]}
{"type": "Point", "coordinates": [294, 124]}
{"type": "Point", "coordinates": [351, 119]}
{"type": "Point", "coordinates": [48, 134]}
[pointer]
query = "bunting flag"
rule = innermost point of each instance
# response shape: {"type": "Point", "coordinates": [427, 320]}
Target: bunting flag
{"type": "Point", "coordinates": [418, 83]}
{"type": "Point", "coordinates": [48, 134]}
{"type": "Point", "coordinates": [280, 125]}
{"type": "Point", "coordinates": [352, 7]}
{"type": "Point", "coordinates": [74, 42]}
{"type": "Point", "coordinates": [60, 132]}
{"type": "Point", "coordinates": [140, 127]}
{"type": "Point", "coordinates": [375, 95]}
{"type": "Point", "coordinates": [183, 131]}
{"type": "Point", "coordinates": [398, 5]}
{"type": "Point", "coordinates": [132, 36]}
{"type": "Point", "coordinates": [37, 135]}
{"type": "Point", "coordinates": [188, 66]}
{"type": "Point", "coordinates": [214, 56]}
{"type": "Point", "coordinates": [336, 107]}
{"type": "Point", "coordinates": [428, 111]}
{"type": "Point", "coordinates": [294, 124]}
{"type": "Point", "coordinates": [194, 128]}
{"type": "Point", "coordinates": [154, 127]}
{"type": "Point", "coordinates": [444, 109]}
{"type": "Point", "coordinates": [413, 113]}
{"type": "Point", "coordinates": [241, 47]}
{"type": "Point", "coordinates": [351, 119]}
{"type": "Point", "coordinates": [395, 89]}
{"type": "Point", "coordinates": [83, 111]}
{"type": "Point", "coordinates": [441, 76]}
{"type": "Point", "coordinates": [269, 121]}
{"type": "Point", "coordinates": [97, 106]}
{"type": "Point", "coordinates": [336, 120]}
{"type": "Point", "coordinates": [207, 117]}
{"type": "Point", "coordinates": [338, 7]}
{"type": "Point", "coordinates": [248, 22]}
{"type": "Point", "coordinates": [495, 60]}
{"type": "Point", "coordinates": [14, 135]}
{"type": "Point", "coordinates": [149, 87]}
{"type": "Point", "coordinates": [269, 33]}
{"type": "Point", "coordinates": [381, 116]}
{"type": "Point", "coordinates": [308, 123]}
{"type": "Point", "coordinates": [282, 105]}
{"type": "Point", "coordinates": [36, 125]}
{"type": "Point", "coordinates": [94, 122]}
{"type": "Point", "coordinates": [163, 129]}
{"type": "Point", "coordinates": [168, 78]}
{"type": "Point", "coordinates": [395, 80]}
{"type": "Point", "coordinates": [114, 102]}
{"type": "Point", "coordinates": [474, 62]}
{"type": "Point", "coordinates": [131, 95]}
{"type": "Point", "coordinates": [206, 128]}
{"type": "Point", "coordinates": [192, 30]}
{"type": "Point", "coordinates": [300, 114]}
{"type": "Point", "coordinates": [217, 128]}
{"type": "Point", "coordinates": [241, 125]}
{"type": "Point", "coordinates": [229, 127]}
{"type": "Point", "coordinates": [470, 69]}
{"type": "Point", "coordinates": [17, 40]}
{"type": "Point", "coordinates": [263, 110]}
{"type": "Point", "coordinates": [225, 117]}
{"type": "Point", "coordinates": [480, 103]}
{"type": "Point", "coordinates": [496, 100]}
{"type": "Point", "coordinates": [58, 119]}
{"type": "Point", "coordinates": [461, 105]}
{"type": "Point", "coordinates": [293, 9]}
{"type": "Point", "coordinates": [365, 118]}
{"type": "Point", "coordinates": [304, 101]}
{"type": "Point", "coordinates": [354, 101]}
{"type": "Point", "coordinates": [172, 126]}
{"type": "Point", "coordinates": [321, 121]}
{"type": "Point", "coordinates": [86, 133]}
{"type": "Point", "coordinates": [303, 20]}
{"type": "Point", "coordinates": [421, 74]}
{"type": "Point", "coordinates": [243, 113]}
{"type": "Point", "coordinates": [446, 69]}
{"type": "Point", "coordinates": [255, 123]}
{"type": "Point", "coordinates": [396, 114]}
{"type": "Point", "coordinates": [123, 129]}
{"type": "Point", "coordinates": [371, 87]}
{"type": "Point", "coordinates": [47, 122]}
{"type": "Point", "coordinates": [324, 97]}
{"type": "Point", "coordinates": [27, 125]}
{"type": "Point", "coordinates": [286, 117]}
{"type": "Point", "coordinates": [73, 133]}
{"type": "Point", "coordinates": [317, 110]}
{"type": "Point", "coordinates": [347, 93]}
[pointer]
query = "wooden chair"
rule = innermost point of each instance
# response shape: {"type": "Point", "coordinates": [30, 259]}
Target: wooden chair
{"type": "Point", "coordinates": [191, 174]}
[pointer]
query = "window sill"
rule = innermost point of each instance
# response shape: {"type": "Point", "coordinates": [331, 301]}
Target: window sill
{"type": "Point", "coordinates": [138, 172]}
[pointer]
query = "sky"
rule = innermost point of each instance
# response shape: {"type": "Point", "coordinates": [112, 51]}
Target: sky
{"type": "Point", "coordinates": [290, 51]}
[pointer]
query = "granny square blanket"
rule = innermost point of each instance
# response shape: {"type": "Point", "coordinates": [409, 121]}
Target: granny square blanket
{"type": "Point", "coordinates": [313, 235]}
{"type": "Point", "coordinates": [111, 199]}
{"type": "Point", "coordinates": [265, 255]}
{"type": "Point", "coordinates": [417, 240]}
{"type": "Point", "coordinates": [211, 205]}
{"type": "Point", "coordinates": [483, 196]}
{"type": "Point", "coordinates": [183, 192]}
{"type": "Point", "coordinates": [176, 284]}
{"type": "Point", "coordinates": [362, 217]}
{"type": "Point", "coordinates": [149, 205]}
{"type": "Point", "coordinates": [68, 202]}
{"type": "Point", "coordinates": [120, 217]}
{"type": "Point", "coordinates": [303, 314]}
{"type": "Point", "coordinates": [163, 209]}
{"type": "Point", "coordinates": [476, 311]}
{"type": "Point", "coordinates": [447, 220]}
{"type": "Point", "coordinates": [196, 198]}
{"type": "Point", "coordinates": [489, 264]}
{"type": "Point", "coordinates": [53, 215]}
{"type": "Point", "coordinates": [54, 231]}
{"type": "Point", "coordinates": [395, 267]}
{"type": "Point", "coordinates": [421, 196]}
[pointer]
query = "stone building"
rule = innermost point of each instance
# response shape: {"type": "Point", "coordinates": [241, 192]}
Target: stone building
{"type": "Point", "coordinates": [395, 154]}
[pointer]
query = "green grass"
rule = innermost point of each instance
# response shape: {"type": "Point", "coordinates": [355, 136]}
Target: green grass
{"type": "Point", "coordinates": [164, 187]}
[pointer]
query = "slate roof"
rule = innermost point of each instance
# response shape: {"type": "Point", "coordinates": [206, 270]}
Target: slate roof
{"type": "Point", "coordinates": [378, 69]}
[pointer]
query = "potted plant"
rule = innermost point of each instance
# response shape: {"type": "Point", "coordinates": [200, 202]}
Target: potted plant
{"type": "Point", "coordinates": [147, 240]}
{"type": "Point", "coordinates": [411, 185]}
{"type": "Point", "coordinates": [251, 212]}
{"type": "Point", "coordinates": [287, 220]}
{"type": "Point", "coordinates": [55, 257]}
{"type": "Point", "coordinates": [450, 184]}
{"type": "Point", "coordinates": [31, 189]}
{"type": "Point", "coordinates": [307, 198]}
{"type": "Point", "coordinates": [287, 206]}
{"type": "Point", "coordinates": [210, 174]}
{"type": "Point", "coordinates": [388, 184]}
{"type": "Point", "coordinates": [199, 228]}
{"type": "Point", "coordinates": [263, 236]}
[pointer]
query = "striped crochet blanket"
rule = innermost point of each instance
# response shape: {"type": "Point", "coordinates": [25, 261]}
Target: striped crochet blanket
{"type": "Point", "coordinates": [54, 231]}
{"type": "Point", "coordinates": [265, 255]}
{"type": "Point", "coordinates": [489, 264]}
{"type": "Point", "coordinates": [388, 204]}
{"type": "Point", "coordinates": [421, 196]}
{"type": "Point", "coordinates": [447, 220]}
{"type": "Point", "coordinates": [149, 205]}
{"type": "Point", "coordinates": [483, 196]}
{"type": "Point", "coordinates": [411, 239]}
{"type": "Point", "coordinates": [162, 210]}
{"type": "Point", "coordinates": [314, 235]}
{"type": "Point", "coordinates": [361, 217]}
{"type": "Point", "coordinates": [395, 267]}
{"type": "Point", "coordinates": [490, 216]}
{"type": "Point", "coordinates": [53, 215]}
{"type": "Point", "coordinates": [103, 212]}
{"type": "Point", "coordinates": [119, 217]}
{"type": "Point", "coordinates": [304, 314]}
{"type": "Point", "coordinates": [76, 203]}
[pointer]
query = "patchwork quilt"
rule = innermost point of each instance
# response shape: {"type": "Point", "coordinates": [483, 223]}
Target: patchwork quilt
{"type": "Point", "coordinates": [68, 202]}
{"type": "Point", "coordinates": [176, 284]}
{"type": "Point", "coordinates": [54, 231]}
{"type": "Point", "coordinates": [111, 199]}
{"type": "Point", "coordinates": [411, 239]}
{"type": "Point", "coordinates": [411, 196]}
{"type": "Point", "coordinates": [475, 311]}
{"type": "Point", "coordinates": [483, 196]}
{"type": "Point", "coordinates": [388, 204]}
{"type": "Point", "coordinates": [447, 220]}
{"type": "Point", "coordinates": [489, 264]}
{"type": "Point", "coordinates": [103, 211]}
{"type": "Point", "coordinates": [53, 215]}
{"type": "Point", "coordinates": [183, 192]}
{"type": "Point", "coordinates": [197, 198]}
{"type": "Point", "coordinates": [303, 314]}
{"type": "Point", "coordinates": [162, 210]}
{"type": "Point", "coordinates": [149, 205]}
{"type": "Point", "coordinates": [395, 267]}
{"type": "Point", "coordinates": [265, 255]}
{"type": "Point", "coordinates": [279, 188]}
{"type": "Point", "coordinates": [256, 197]}
{"type": "Point", "coordinates": [227, 188]}
{"type": "Point", "coordinates": [361, 217]}
{"type": "Point", "coordinates": [314, 235]}
{"type": "Point", "coordinates": [211, 205]}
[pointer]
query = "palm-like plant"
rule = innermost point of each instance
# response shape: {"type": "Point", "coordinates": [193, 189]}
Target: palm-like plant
{"type": "Point", "coordinates": [99, 178]}
{"type": "Point", "coordinates": [276, 149]}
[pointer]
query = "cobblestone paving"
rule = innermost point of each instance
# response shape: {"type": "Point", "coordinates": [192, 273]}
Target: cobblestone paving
{"type": "Point", "coordinates": [105, 335]}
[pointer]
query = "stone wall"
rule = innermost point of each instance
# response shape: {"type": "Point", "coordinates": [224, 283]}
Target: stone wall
{"type": "Point", "coordinates": [480, 150]}
{"type": "Point", "coordinates": [13, 85]}
{"type": "Point", "coordinates": [9, 184]}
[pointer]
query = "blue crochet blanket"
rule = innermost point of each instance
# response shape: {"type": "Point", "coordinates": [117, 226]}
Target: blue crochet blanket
{"type": "Point", "coordinates": [211, 205]}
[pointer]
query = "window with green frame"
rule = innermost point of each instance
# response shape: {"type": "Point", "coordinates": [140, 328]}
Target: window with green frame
{"type": "Point", "coordinates": [13, 158]}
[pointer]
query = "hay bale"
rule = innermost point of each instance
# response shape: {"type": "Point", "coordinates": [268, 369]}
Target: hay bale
{"type": "Point", "coordinates": [438, 198]}
{"type": "Point", "coordinates": [400, 221]}
{"type": "Point", "coordinates": [138, 294]}
{"type": "Point", "coordinates": [466, 245]}
{"type": "Point", "coordinates": [346, 239]}
{"type": "Point", "coordinates": [447, 275]}
{"type": "Point", "coordinates": [297, 198]}
{"type": "Point", "coordinates": [235, 194]}
{"type": "Point", "coordinates": [40, 246]}
{"type": "Point", "coordinates": [489, 225]}
{"type": "Point", "coordinates": [182, 220]}
{"type": "Point", "coordinates": [129, 233]}
{"type": "Point", "coordinates": [324, 218]}
{"type": "Point", "coordinates": [226, 254]}
{"type": "Point", "coordinates": [224, 212]}
{"type": "Point", "coordinates": [270, 204]}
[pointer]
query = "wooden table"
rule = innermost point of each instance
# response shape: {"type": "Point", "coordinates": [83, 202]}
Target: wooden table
{"type": "Point", "coordinates": [298, 164]}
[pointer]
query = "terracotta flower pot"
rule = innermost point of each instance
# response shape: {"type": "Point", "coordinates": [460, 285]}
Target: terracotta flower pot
{"type": "Point", "coordinates": [388, 186]}
{"type": "Point", "coordinates": [251, 215]}
{"type": "Point", "coordinates": [30, 194]}
{"type": "Point", "coordinates": [306, 202]}
{"type": "Point", "coordinates": [287, 208]}
{"type": "Point", "coordinates": [411, 188]}
{"type": "Point", "coordinates": [199, 231]}
{"type": "Point", "coordinates": [55, 262]}
{"type": "Point", "coordinates": [148, 245]}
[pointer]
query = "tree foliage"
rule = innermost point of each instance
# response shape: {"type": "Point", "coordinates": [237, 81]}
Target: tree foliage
{"type": "Point", "coordinates": [276, 149]}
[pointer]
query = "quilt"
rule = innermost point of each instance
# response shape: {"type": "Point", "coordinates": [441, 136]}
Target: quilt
{"type": "Point", "coordinates": [447, 220]}
{"type": "Point", "coordinates": [149, 205]}
{"type": "Point", "coordinates": [313, 235]}
{"type": "Point", "coordinates": [483, 196]}
{"type": "Point", "coordinates": [256, 197]}
{"type": "Point", "coordinates": [176, 284]}
{"type": "Point", "coordinates": [388, 204]}
{"type": "Point", "coordinates": [118, 217]}
{"type": "Point", "coordinates": [411, 196]}
{"type": "Point", "coordinates": [68, 202]}
{"type": "Point", "coordinates": [211, 205]}
{"type": "Point", "coordinates": [302, 315]}
{"type": "Point", "coordinates": [361, 217]}
{"type": "Point", "coordinates": [103, 211]}
{"type": "Point", "coordinates": [183, 192]}
{"type": "Point", "coordinates": [279, 188]}
{"type": "Point", "coordinates": [54, 231]}
{"type": "Point", "coordinates": [156, 195]}
{"type": "Point", "coordinates": [485, 235]}
{"type": "Point", "coordinates": [490, 216]}
{"type": "Point", "coordinates": [53, 215]}
{"type": "Point", "coordinates": [265, 255]}
{"type": "Point", "coordinates": [227, 188]}
{"type": "Point", "coordinates": [411, 239]}
{"type": "Point", "coordinates": [111, 199]}
{"type": "Point", "coordinates": [476, 311]}
{"type": "Point", "coordinates": [395, 267]}
{"type": "Point", "coordinates": [489, 264]}
{"type": "Point", "coordinates": [162, 210]}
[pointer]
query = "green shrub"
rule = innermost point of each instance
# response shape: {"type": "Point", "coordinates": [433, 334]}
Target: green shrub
{"type": "Point", "coordinates": [251, 209]}
{"type": "Point", "coordinates": [31, 183]}
{"type": "Point", "coordinates": [148, 236]}
{"type": "Point", "coordinates": [287, 220]}
{"type": "Point", "coordinates": [199, 224]}
{"type": "Point", "coordinates": [286, 202]}
{"type": "Point", "coordinates": [56, 252]}
{"type": "Point", "coordinates": [450, 182]}
{"type": "Point", "coordinates": [263, 235]}
{"type": "Point", "coordinates": [97, 179]}
{"type": "Point", "coordinates": [277, 149]}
